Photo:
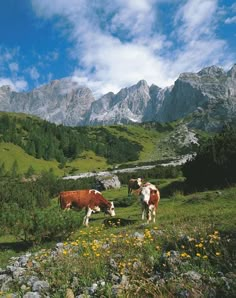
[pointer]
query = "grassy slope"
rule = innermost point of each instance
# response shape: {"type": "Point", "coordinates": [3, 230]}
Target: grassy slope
{"type": "Point", "coordinates": [197, 216]}
{"type": "Point", "coordinates": [88, 161]}
{"type": "Point", "coordinates": [150, 139]}
{"type": "Point", "coordinates": [10, 152]}
{"type": "Point", "coordinates": [156, 145]}
{"type": "Point", "coordinates": [185, 212]}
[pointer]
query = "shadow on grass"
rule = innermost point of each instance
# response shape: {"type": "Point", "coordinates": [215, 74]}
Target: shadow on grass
{"type": "Point", "coordinates": [183, 187]}
{"type": "Point", "coordinates": [118, 222]}
{"type": "Point", "coordinates": [173, 187]}
{"type": "Point", "coordinates": [17, 246]}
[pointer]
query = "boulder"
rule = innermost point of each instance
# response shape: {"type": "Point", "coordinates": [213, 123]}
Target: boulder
{"type": "Point", "coordinates": [107, 182]}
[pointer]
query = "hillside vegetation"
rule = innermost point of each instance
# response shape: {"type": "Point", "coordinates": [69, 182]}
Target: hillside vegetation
{"type": "Point", "coordinates": [188, 252]}
{"type": "Point", "coordinates": [80, 149]}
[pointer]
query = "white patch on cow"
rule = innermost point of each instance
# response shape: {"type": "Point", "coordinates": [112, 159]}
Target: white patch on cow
{"type": "Point", "coordinates": [112, 209]}
{"type": "Point", "coordinates": [150, 185]}
{"type": "Point", "coordinates": [151, 207]}
{"type": "Point", "coordinates": [95, 191]}
{"type": "Point", "coordinates": [139, 181]}
{"type": "Point", "coordinates": [143, 213]}
{"type": "Point", "coordinates": [96, 209]}
{"type": "Point", "coordinates": [87, 216]}
{"type": "Point", "coordinates": [145, 194]}
{"type": "Point", "coordinates": [68, 206]}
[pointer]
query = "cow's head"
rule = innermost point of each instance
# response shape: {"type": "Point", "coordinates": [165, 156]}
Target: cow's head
{"type": "Point", "coordinates": [110, 210]}
{"type": "Point", "coordinates": [139, 181]}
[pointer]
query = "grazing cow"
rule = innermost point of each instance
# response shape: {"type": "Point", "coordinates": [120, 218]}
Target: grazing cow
{"type": "Point", "coordinates": [90, 199]}
{"type": "Point", "coordinates": [134, 185]}
{"type": "Point", "coordinates": [150, 197]}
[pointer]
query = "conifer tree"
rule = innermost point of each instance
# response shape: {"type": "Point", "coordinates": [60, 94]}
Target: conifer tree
{"type": "Point", "coordinates": [14, 169]}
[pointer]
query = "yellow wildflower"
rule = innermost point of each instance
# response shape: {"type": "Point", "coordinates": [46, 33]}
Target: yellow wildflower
{"type": "Point", "coordinates": [168, 253]}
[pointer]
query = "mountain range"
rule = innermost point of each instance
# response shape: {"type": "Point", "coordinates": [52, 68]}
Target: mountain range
{"type": "Point", "coordinates": [206, 98]}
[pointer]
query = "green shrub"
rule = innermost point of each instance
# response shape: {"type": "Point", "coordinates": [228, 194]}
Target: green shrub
{"type": "Point", "coordinates": [53, 224]}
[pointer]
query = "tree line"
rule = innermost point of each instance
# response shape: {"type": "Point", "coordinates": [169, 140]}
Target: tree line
{"type": "Point", "coordinates": [215, 162]}
{"type": "Point", "coordinates": [49, 141]}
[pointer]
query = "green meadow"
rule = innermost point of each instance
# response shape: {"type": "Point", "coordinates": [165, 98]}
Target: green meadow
{"type": "Point", "coordinates": [192, 240]}
{"type": "Point", "coordinates": [10, 153]}
{"type": "Point", "coordinates": [188, 252]}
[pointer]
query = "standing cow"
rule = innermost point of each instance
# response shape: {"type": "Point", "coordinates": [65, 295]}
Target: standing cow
{"type": "Point", "coordinates": [133, 185]}
{"type": "Point", "coordinates": [90, 199]}
{"type": "Point", "coordinates": [150, 197]}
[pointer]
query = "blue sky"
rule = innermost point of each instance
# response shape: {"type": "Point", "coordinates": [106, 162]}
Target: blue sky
{"type": "Point", "coordinates": [107, 45]}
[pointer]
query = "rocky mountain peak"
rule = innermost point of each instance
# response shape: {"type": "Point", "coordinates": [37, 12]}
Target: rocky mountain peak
{"type": "Point", "coordinates": [6, 88]}
{"type": "Point", "coordinates": [211, 71]}
{"type": "Point", "coordinates": [207, 94]}
{"type": "Point", "coordinates": [232, 72]}
{"type": "Point", "coordinates": [142, 83]}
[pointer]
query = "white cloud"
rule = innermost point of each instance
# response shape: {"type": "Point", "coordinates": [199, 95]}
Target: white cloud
{"type": "Point", "coordinates": [231, 20]}
{"type": "Point", "coordinates": [6, 58]}
{"type": "Point", "coordinates": [7, 62]}
{"type": "Point", "coordinates": [33, 72]}
{"type": "Point", "coordinates": [20, 85]}
{"type": "Point", "coordinates": [117, 43]}
{"type": "Point", "coordinates": [14, 67]}
{"type": "Point", "coordinates": [49, 76]}
{"type": "Point", "coordinates": [196, 19]}
{"type": "Point", "coordinates": [16, 85]}
{"type": "Point", "coordinates": [233, 7]}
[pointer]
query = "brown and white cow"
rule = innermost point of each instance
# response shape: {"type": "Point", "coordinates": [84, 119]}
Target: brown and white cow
{"type": "Point", "coordinates": [90, 199]}
{"type": "Point", "coordinates": [134, 185]}
{"type": "Point", "coordinates": [150, 197]}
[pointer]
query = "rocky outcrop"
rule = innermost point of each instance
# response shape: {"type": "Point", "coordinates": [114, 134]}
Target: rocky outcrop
{"type": "Point", "coordinates": [61, 102]}
{"type": "Point", "coordinates": [128, 105]}
{"type": "Point", "coordinates": [209, 96]}
{"type": "Point", "coordinates": [29, 275]}
{"type": "Point", "coordinates": [107, 182]}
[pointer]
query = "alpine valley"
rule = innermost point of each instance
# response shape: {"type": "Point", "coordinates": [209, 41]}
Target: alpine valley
{"type": "Point", "coordinates": [207, 98]}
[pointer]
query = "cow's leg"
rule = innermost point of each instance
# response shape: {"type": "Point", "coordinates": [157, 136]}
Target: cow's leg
{"type": "Point", "coordinates": [129, 191]}
{"type": "Point", "coordinates": [143, 212]}
{"type": "Point", "coordinates": [68, 206]}
{"type": "Point", "coordinates": [149, 215]}
{"type": "Point", "coordinates": [154, 215]}
{"type": "Point", "coordinates": [87, 216]}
